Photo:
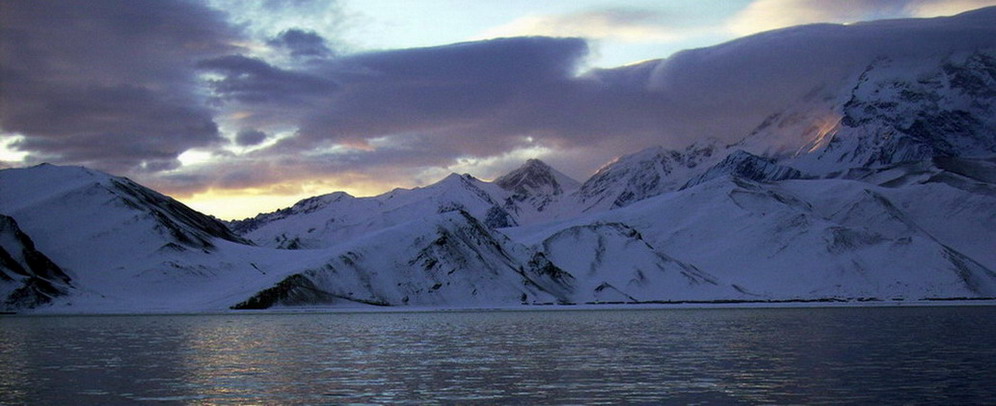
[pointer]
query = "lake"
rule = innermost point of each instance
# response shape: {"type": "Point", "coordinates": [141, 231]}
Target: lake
{"type": "Point", "coordinates": [865, 355]}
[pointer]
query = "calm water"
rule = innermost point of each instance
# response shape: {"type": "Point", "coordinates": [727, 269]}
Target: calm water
{"type": "Point", "coordinates": [940, 355]}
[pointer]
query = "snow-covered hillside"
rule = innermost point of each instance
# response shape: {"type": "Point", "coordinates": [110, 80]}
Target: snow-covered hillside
{"type": "Point", "coordinates": [335, 218]}
{"type": "Point", "coordinates": [27, 277]}
{"type": "Point", "coordinates": [450, 259]}
{"type": "Point", "coordinates": [892, 111]}
{"type": "Point", "coordinates": [876, 179]}
{"type": "Point", "coordinates": [745, 165]}
{"type": "Point", "coordinates": [123, 245]}
{"type": "Point", "coordinates": [613, 263]}
{"type": "Point", "coordinates": [641, 175]}
{"type": "Point", "coordinates": [818, 238]}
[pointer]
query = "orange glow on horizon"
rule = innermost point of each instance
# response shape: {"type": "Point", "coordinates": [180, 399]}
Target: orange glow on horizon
{"type": "Point", "coordinates": [237, 204]}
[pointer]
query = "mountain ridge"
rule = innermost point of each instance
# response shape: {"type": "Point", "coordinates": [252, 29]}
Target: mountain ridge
{"type": "Point", "coordinates": [877, 182]}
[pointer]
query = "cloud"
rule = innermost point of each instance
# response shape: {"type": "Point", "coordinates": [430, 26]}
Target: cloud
{"type": "Point", "coordinates": [471, 95]}
{"type": "Point", "coordinates": [129, 93]}
{"type": "Point", "coordinates": [108, 84]}
{"type": "Point", "coordinates": [301, 44]}
{"type": "Point", "coordinates": [623, 24]}
{"type": "Point", "coordinates": [250, 137]}
{"type": "Point", "coordinates": [254, 81]}
{"type": "Point", "coordinates": [267, 18]}
{"type": "Point", "coordinates": [935, 8]}
{"type": "Point", "coordinates": [430, 89]}
{"type": "Point", "coordinates": [408, 111]}
{"type": "Point", "coordinates": [764, 15]}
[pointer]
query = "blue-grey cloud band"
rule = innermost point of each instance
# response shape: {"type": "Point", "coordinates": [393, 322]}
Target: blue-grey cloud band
{"type": "Point", "coordinates": [129, 86]}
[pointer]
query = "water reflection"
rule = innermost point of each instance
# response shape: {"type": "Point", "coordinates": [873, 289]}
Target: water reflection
{"type": "Point", "coordinates": [744, 356]}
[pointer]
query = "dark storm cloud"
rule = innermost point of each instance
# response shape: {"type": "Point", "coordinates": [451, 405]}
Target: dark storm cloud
{"type": "Point", "coordinates": [486, 98]}
{"type": "Point", "coordinates": [108, 84]}
{"type": "Point", "coordinates": [509, 60]}
{"type": "Point", "coordinates": [301, 44]}
{"type": "Point", "coordinates": [250, 137]}
{"type": "Point", "coordinates": [427, 90]}
{"type": "Point", "coordinates": [115, 85]}
{"type": "Point", "coordinates": [468, 99]}
{"type": "Point", "coordinates": [251, 81]}
{"type": "Point", "coordinates": [118, 85]}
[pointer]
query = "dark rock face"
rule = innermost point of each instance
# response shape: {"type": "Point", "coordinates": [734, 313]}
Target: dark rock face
{"type": "Point", "coordinates": [296, 290]}
{"type": "Point", "coordinates": [29, 278]}
{"type": "Point", "coordinates": [498, 217]}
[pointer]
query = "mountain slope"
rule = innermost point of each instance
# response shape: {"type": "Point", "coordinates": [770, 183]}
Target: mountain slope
{"type": "Point", "coordinates": [537, 191]}
{"type": "Point", "coordinates": [44, 197]}
{"type": "Point", "coordinates": [125, 246]}
{"type": "Point", "coordinates": [641, 175]}
{"type": "Point", "coordinates": [447, 259]}
{"type": "Point", "coordinates": [747, 166]}
{"type": "Point", "coordinates": [327, 220]}
{"type": "Point", "coordinates": [611, 262]}
{"type": "Point", "coordinates": [28, 278]}
{"type": "Point", "coordinates": [893, 111]}
{"type": "Point", "coordinates": [820, 238]}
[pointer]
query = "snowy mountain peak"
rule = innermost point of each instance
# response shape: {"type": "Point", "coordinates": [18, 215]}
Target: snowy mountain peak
{"type": "Point", "coordinates": [644, 174]}
{"type": "Point", "coordinates": [328, 220]}
{"type": "Point", "coordinates": [535, 187]}
{"type": "Point", "coordinates": [30, 190]}
{"type": "Point", "coordinates": [456, 178]}
{"type": "Point", "coordinates": [305, 206]}
{"type": "Point", "coordinates": [536, 177]}
{"type": "Point", "coordinates": [894, 110]}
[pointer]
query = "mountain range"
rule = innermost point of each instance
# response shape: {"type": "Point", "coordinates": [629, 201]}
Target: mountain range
{"type": "Point", "coordinates": [877, 184]}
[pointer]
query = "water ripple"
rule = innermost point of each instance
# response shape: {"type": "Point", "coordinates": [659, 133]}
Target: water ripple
{"type": "Point", "coordinates": [731, 356]}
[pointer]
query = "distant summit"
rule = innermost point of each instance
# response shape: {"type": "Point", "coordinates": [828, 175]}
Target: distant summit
{"type": "Point", "coordinates": [536, 177]}
{"type": "Point", "coordinates": [644, 174]}
{"type": "Point", "coordinates": [535, 184]}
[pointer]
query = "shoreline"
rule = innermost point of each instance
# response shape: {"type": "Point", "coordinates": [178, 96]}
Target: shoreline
{"type": "Point", "coordinates": [590, 306]}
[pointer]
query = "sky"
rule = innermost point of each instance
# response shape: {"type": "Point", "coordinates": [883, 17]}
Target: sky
{"type": "Point", "coordinates": [240, 107]}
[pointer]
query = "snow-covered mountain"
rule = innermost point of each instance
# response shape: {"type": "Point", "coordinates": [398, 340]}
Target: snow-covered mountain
{"type": "Point", "coordinates": [123, 245]}
{"type": "Point", "coordinates": [641, 175]}
{"type": "Point", "coordinates": [613, 263]}
{"type": "Point", "coordinates": [450, 259]}
{"type": "Point", "coordinates": [27, 277]}
{"type": "Point", "coordinates": [815, 238]}
{"type": "Point", "coordinates": [535, 188]}
{"type": "Point", "coordinates": [335, 218]}
{"type": "Point", "coordinates": [876, 181]}
{"type": "Point", "coordinates": [536, 178]}
{"type": "Point", "coordinates": [748, 166]}
{"type": "Point", "coordinates": [892, 111]}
